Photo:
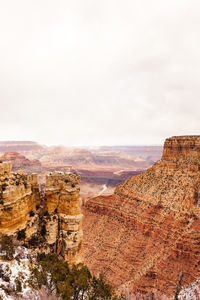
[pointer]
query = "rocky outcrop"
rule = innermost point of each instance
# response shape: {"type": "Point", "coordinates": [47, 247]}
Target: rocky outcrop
{"type": "Point", "coordinates": [182, 147]}
{"type": "Point", "coordinates": [64, 220]}
{"type": "Point", "coordinates": [19, 195]}
{"type": "Point", "coordinates": [148, 230]}
{"type": "Point", "coordinates": [20, 162]}
{"type": "Point", "coordinates": [52, 224]}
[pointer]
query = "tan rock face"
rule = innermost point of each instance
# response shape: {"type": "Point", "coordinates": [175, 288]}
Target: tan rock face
{"type": "Point", "coordinates": [57, 225]}
{"type": "Point", "coordinates": [64, 223]}
{"type": "Point", "coordinates": [19, 195]}
{"type": "Point", "coordinates": [147, 232]}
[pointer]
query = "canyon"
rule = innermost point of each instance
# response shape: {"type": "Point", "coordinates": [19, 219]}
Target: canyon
{"type": "Point", "coordinates": [146, 233]}
{"type": "Point", "coordinates": [97, 166]}
{"type": "Point", "coordinates": [142, 236]}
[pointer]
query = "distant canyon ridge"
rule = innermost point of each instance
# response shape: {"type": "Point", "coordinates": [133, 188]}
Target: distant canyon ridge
{"type": "Point", "coordinates": [101, 168]}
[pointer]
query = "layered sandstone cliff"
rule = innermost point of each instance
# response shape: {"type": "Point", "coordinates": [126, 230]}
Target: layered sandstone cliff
{"type": "Point", "coordinates": [50, 222]}
{"type": "Point", "coordinates": [182, 147]}
{"type": "Point", "coordinates": [64, 221]}
{"type": "Point", "coordinates": [19, 195]}
{"type": "Point", "coordinates": [148, 230]}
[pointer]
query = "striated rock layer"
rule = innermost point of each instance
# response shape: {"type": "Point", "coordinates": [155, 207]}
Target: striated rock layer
{"type": "Point", "coordinates": [147, 232]}
{"type": "Point", "coordinates": [182, 147]}
{"type": "Point", "coordinates": [19, 195]}
{"type": "Point", "coordinates": [64, 224]}
{"type": "Point", "coordinates": [50, 222]}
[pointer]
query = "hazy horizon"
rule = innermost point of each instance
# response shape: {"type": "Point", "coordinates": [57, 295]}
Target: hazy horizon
{"type": "Point", "coordinates": [82, 146]}
{"type": "Point", "coordinates": [79, 73]}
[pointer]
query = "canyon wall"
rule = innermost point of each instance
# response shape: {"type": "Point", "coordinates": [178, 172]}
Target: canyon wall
{"type": "Point", "coordinates": [19, 195]}
{"type": "Point", "coordinates": [64, 222]}
{"type": "Point", "coordinates": [146, 233]}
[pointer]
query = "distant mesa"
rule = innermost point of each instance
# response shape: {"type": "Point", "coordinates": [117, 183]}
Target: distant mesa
{"type": "Point", "coordinates": [21, 162]}
{"type": "Point", "coordinates": [179, 147]}
{"type": "Point", "coordinates": [18, 146]}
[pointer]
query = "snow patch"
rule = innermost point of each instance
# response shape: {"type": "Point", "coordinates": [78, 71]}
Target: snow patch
{"type": "Point", "coordinates": [191, 292]}
{"type": "Point", "coordinates": [13, 270]}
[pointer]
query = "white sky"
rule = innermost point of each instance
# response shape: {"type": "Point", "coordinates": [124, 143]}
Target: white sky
{"type": "Point", "coordinates": [99, 72]}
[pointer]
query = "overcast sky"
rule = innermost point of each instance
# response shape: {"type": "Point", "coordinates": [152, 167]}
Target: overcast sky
{"type": "Point", "coordinates": [99, 72]}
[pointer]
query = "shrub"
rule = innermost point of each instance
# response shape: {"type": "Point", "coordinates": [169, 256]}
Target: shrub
{"type": "Point", "coordinates": [38, 278]}
{"type": "Point", "coordinates": [21, 235]}
{"type": "Point", "coordinates": [33, 241]}
{"type": "Point", "coordinates": [18, 285]}
{"type": "Point", "coordinates": [7, 247]}
{"type": "Point", "coordinates": [70, 283]}
{"type": "Point", "coordinates": [1, 271]}
{"type": "Point", "coordinates": [46, 213]}
{"type": "Point", "coordinates": [4, 185]}
{"type": "Point", "coordinates": [43, 230]}
{"type": "Point", "coordinates": [31, 214]}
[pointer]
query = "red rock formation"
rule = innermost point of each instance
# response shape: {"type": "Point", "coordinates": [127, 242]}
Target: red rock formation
{"type": "Point", "coordinates": [181, 147]}
{"type": "Point", "coordinates": [147, 232]}
{"type": "Point", "coordinates": [21, 162]}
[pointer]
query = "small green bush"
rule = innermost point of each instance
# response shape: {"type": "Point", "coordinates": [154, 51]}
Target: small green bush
{"type": "Point", "coordinates": [7, 247]}
{"type": "Point", "coordinates": [46, 213]}
{"type": "Point", "coordinates": [18, 285]}
{"type": "Point", "coordinates": [33, 241]}
{"type": "Point", "coordinates": [21, 235]}
{"type": "Point", "coordinates": [31, 214]}
{"type": "Point", "coordinates": [4, 185]}
{"type": "Point", "coordinates": [43, 230]}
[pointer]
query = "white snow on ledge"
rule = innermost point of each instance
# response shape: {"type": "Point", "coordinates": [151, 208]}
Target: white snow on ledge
{"type": "Point", "coordinates": [191, 292]}
{"type": "Point", "coordinates": [17, 269]}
